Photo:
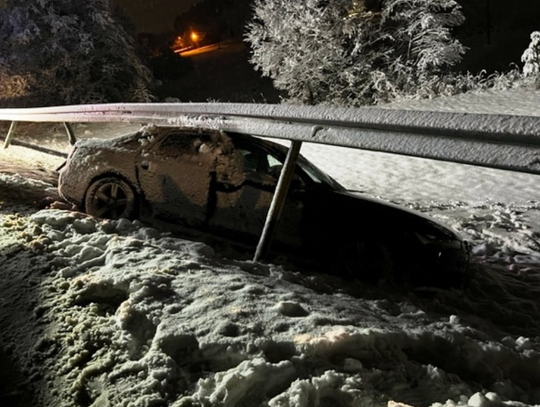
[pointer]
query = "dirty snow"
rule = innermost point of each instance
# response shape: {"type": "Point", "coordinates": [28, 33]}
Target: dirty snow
{"type": "Point", "coordinates": [115, 313]}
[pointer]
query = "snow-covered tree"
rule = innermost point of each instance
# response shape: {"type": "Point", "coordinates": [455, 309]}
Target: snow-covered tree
{"type": "Point", "coordinates": [531, 56]}
{"type": "Point", "coordinates": [67, 52]}
{"type": "Point", "coordinates": [354, 52]}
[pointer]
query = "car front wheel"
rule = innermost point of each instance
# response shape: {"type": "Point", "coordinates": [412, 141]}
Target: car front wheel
{"type": "Point", "coordinates": [111, 198]}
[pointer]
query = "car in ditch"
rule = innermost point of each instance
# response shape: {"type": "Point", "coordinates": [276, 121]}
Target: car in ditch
{"type": "Point", "coordinates": [204, 182]}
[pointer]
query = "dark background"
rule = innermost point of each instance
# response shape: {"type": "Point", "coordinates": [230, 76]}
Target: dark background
{"type": "Point", "coordinates": [154, 16]}
{"type": "Point", "coordinates": [496, 32]}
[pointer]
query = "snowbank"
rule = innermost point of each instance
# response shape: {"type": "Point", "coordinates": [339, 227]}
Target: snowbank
{"type": "Point", "coordinates": [127, 316]}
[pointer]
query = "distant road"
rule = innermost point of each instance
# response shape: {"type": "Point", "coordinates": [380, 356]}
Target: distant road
{"type": "Point", "coordinates": [200, 50]}
{"type": "Point", "coordinates": [208, 48]}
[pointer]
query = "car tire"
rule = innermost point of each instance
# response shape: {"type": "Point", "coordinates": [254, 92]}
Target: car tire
{"type": "Point", "coordinates": [368, 262]}
{"type": "Point", "coordinates": [111, 198]}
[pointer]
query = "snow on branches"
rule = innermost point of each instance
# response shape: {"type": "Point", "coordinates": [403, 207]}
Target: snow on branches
{"type": "Point", "coordinates": [531, 56]}
{"type": "Point", "coordinates": [68, 52]}
{"type": "Point", "coordinates": [354, 52]}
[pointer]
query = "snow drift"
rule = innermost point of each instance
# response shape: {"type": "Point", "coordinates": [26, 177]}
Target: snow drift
{"type": "Point", "coordinates": [128, 316]}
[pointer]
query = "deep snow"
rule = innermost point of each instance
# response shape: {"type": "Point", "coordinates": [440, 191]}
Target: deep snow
{"type": "Point", "coordinates": [115, 313]}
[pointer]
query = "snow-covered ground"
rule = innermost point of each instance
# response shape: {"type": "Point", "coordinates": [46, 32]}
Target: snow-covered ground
{"type": "Point", "coordinates": [115, 313]}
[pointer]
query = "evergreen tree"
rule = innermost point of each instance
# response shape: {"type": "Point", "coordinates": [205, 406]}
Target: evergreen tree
{"type": "Point", "coordinates": [67, 52]}
{"type": "Point", "coordinates": [354, 52]}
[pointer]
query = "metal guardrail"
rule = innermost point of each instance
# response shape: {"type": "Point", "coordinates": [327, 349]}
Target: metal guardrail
{"type": "Point", "coordinates": [497, 141]}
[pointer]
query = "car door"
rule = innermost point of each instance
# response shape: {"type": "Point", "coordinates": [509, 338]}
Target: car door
{"type": "Point", "coordinates": [243, 191]}
{"type": "Point", "coordinates": [175, 175]}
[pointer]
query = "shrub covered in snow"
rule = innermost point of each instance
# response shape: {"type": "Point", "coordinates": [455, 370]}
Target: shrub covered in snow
{"type": "Point", "coordinates": [349, 52]}
{"type": "Point", "coordinates": [67, 52]}
{"type": "Point", "coordinates": [531, 57]}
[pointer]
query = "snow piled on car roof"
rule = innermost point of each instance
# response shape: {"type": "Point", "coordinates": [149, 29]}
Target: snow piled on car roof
{"type": "Point", "coordinates": [135, 317]}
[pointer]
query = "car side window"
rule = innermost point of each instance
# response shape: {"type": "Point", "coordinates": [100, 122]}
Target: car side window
{"type": "Point", "coordinates": [273, 161]}
{"type": "Point", "coordinates": [176, 144]}
{"type": "Point", "coordinates": [254, 160]}
{"type": "Point", "coordinates": [260, 166]}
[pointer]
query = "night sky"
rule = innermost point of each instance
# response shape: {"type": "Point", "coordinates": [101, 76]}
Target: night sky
{"type": "Point", "coordinates": [151, 15]}
{"type": "Point", "coordinates": [154, 15]}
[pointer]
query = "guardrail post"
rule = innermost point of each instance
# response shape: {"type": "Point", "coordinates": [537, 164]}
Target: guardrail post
{"type": "Point", "coordinates": [274, 213]}
{"type": "Point", "coordinates": [70, 133]}
{"type": "Point", "coordinates": [10, 133]}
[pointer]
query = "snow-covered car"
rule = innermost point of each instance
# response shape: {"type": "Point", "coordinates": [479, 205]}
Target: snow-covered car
{"type": "Point", "coordinates": [214, 183]}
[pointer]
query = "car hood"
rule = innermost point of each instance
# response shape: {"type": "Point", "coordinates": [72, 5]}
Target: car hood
{"type": "Point", "coordinates": [394, 213]}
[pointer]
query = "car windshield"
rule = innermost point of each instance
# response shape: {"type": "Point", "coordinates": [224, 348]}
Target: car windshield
{"type": "Point", "coordinates": [316, 175]}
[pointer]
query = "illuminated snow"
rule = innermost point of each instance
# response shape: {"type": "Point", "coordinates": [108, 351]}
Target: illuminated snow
{"type": "Point", "coordinates": [142, 318]}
